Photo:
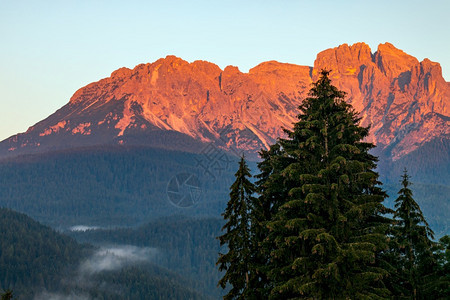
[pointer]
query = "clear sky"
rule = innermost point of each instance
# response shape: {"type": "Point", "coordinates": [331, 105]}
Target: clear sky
{"type": "Point", "coordinates": [49, 49]}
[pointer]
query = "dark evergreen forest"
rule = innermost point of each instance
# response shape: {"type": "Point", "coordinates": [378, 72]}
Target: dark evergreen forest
{"type": "Point", "coordinates": [110, 187]}
{"type": "Point", "coordinates": [36, 261]}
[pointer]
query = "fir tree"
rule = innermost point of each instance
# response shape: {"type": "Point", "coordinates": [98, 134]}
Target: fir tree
{"type": "Point", "coordinates": [326, 228]}
{"type": "Point", "coordinates": [416, 263]}
{"type": "Point", "coordinates": [237, 262]}
{"type": "Point", "coordinates": [270, 186]}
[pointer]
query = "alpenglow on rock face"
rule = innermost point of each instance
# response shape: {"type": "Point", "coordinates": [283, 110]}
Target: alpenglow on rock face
{"type": "Point", "coordinates": [179, 105]}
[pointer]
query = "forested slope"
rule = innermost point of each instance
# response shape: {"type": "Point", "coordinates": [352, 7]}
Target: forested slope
{"type": "Point", "coordinates": [186, 246]}
{"type": "Point", "coordinates": [111, 186]}
{"type": "Point", "coordinates": [38, 263]}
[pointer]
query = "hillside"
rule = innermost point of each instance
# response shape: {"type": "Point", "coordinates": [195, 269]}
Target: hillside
{"type": "Point", "coordinates": [188, 246]}
{"type": "Point", "coordinates": [32, 256]}
{"type": "Point", "coordinates": [118, 186]}
{"type": "Point", "coordinates": [38, 263]}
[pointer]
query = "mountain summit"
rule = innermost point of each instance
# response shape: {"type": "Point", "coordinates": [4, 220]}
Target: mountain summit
{"type": "Point", "coordinates": [175, 104]}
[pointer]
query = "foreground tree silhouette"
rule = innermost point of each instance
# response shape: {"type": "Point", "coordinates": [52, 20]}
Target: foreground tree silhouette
{"type": "Point", "coordinates": [416, 264]}
{"type": "Point", "coordinates": [237, 261]}
{"type": "Point", "coordinates": [323, 204]}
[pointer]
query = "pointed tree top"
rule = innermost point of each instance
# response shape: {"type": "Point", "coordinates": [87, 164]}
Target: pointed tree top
{"type": "Point", "coordinates": [405, 178]}
{"type": "Point", "coordinates": [325, 72]}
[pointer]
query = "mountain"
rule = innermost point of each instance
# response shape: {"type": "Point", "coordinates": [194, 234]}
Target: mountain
{"type": "Point", "coordinates": [173, 104]}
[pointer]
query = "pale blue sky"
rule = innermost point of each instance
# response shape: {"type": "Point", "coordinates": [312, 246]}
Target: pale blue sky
{"type": "Point", "coordinates": [49, 49]}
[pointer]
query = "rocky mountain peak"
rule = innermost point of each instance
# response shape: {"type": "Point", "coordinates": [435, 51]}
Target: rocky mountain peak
{"type": "Point", "coordinates": [403, 100]}
{"type": "Point", "coordinates": [393, 62]}
{"type": "Point", "coordinates": [121, 73]}
{"type": "Point", "coordinates": [342, 60]}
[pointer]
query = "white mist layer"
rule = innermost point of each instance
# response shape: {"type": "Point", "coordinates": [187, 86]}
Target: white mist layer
{"type": "Point", "coordinates": [57, 296]}
{"type": "Point", "coordinates": [83, 228]}
{"type": "Point", "coordinates": [106, 258]}
{"type": "Point", "coordinates": [114, 258]}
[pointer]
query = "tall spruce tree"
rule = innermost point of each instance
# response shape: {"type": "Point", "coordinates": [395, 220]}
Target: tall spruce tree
{"type": "Point", "coordinates": [326, 228]}
{"type": "Point", "coordinates": [270, 187]}
{"type": "Point", "coordinates": [416, 263]}
{"type": "Point", "coordinates": [237, 262]}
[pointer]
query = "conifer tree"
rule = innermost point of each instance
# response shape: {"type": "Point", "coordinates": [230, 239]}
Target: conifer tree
{"type": "Point", "coordinates": [416, 263]}
{"type": "Point", "coordinates": [270, 186]}
{"type": "Point", "coordinates": [326, 228]}
{"type": "Point", "coordinates": [237, 262]}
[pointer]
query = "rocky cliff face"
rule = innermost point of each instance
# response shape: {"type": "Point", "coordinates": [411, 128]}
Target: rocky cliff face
{"type": "Point", "coordinates": [179, 105]}
{"type": "Point", "coordinates": [405, 101]}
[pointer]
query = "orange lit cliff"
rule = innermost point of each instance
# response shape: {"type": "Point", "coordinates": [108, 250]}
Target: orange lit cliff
{"type": "Point", "coordinates": [405, 101]}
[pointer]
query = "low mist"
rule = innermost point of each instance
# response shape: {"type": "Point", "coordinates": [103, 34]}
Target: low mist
{"type": "Point", "coordinates": [115, 258]}
{"type": "Point", "coordinates": [57, 296]}
{"type": "Point", "coordinates": [105, 258]}
{"type": "Point", "coordinates": [83, 228]}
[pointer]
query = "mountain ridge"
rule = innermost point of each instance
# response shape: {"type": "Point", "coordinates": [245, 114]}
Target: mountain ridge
{"type": "Point", "coordinates": [405, 102]}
